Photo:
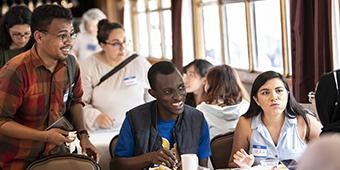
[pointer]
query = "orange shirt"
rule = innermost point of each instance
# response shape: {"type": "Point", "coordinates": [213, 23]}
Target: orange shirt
{"type": "Point", "coordinates": [33, 96]}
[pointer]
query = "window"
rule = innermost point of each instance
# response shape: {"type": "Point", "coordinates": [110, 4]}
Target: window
{"type": "Point", "coordinates": [253, 34]}
{"type": "Point", "coordinates": [211, 32]}
{"type": "Point", "coordinates": [236, 49]}
{"type": "Point", "coordinates": [187, 33]}
{"type": "Point", "coordinates": [336, 32]}
{"type": "Point", "coordinates": [153, 34]}
{"type": "Point", "coordinates": [267, 35]}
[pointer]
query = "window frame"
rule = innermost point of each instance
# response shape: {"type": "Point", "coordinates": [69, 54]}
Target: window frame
{"type": "Point", "coordinates": [251, 43]}
{"type": "Point", "coordinates": [161, 24]}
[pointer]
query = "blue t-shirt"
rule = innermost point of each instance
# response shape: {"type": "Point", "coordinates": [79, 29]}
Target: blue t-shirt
{"type": "Point", "coordinates": [126, 145]}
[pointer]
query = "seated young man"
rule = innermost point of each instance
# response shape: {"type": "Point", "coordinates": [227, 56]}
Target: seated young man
{"type": "Point", "coordinates": [167, 118]}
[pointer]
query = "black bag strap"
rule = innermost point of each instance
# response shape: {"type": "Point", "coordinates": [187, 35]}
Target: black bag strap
{"type": "Point", "coordinates": [337, 88]}
{"type": "Point", "coordinates": [117, 68]}
{"type": "Point", "coordinates": [71, 71]}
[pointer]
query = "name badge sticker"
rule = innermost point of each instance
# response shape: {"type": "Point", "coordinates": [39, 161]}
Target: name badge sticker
{"type": "Point", "coordinates": [259, 151]}
{"type": "Point", "coordinates": [91, 47]}
{"type": "Point", "coordinates": [65, 96]}
{"type": "Point", "coordinates": [130, 80]}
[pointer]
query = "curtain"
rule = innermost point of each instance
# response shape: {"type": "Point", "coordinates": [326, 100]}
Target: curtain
{"type": "Point", "coordinates": [311, 37]}
{"type": "Point", "coordinates": [177, 51]}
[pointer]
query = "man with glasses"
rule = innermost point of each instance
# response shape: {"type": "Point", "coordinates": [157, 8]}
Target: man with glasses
{"type": "Point", "coordinates": [34, 91]}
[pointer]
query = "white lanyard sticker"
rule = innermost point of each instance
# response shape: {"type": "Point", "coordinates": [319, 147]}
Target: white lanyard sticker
{"type": "Point", "coordinates": [130, 80]}
{"type": "Point", "coordinates": [259, 151]}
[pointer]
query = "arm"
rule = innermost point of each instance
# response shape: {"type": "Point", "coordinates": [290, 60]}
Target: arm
{"type": "Point", "coordinates": [161, 157]}
{"type": "Point", "coordinates": [241, 142]}
{"type": "Point", "coordinates": [315, 127]}
{"type": "Point", "coordinates": [204, 145]}
{"type": "Point", "coordinates": [15, 130]}
{"type": "Point", "coordinates": [11, 97]}
{"type": "Point", "coordinates": [93, 117]}
{"type": "Point", "coordinates": [125, 152]}
{"type": "Point", "coordinates": [78, 119]}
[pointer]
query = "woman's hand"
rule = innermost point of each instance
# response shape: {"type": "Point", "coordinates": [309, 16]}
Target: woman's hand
{"type": "Point", "coordinates": [243, 159]}
{"type": "Point", "coordinates": [104, 121]}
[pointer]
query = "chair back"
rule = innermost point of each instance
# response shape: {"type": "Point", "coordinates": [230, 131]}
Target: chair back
{"type": "Point", "coordinates": [64, 162]}
{"type": "Point", "coordinates": [113, 146]}
{"type": "Point", "coordinates": [112, 152]}
{"type": "Point", "coordinates": [221, 146]}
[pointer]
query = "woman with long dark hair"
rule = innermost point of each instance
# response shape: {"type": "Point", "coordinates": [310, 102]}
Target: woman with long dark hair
{"type": "Point", "coordinates": [194, 78]}
{"type": "Point", "coordinates": [275, 125]}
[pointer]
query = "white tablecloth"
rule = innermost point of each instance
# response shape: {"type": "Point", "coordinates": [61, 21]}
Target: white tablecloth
{"type": "Point", "coordinates": [101, 139]}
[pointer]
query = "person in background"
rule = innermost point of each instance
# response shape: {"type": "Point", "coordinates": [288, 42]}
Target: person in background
{"type": "Point", "coordinates": [141, 139]}
{"type": "Point", "coordinates": [107, 103]}
{"type": "Point", "coordinates": [33, 86]}
{"type": "Point", "coordinates": [223, 103]}
{"type": "Point", "coordinates": [322, 153]}
{"type": "Point", "coordinates": [15, 33]}
{"type": "Point", "coordinates": [86, 43]}
{"type": "Point", "coordinates": [194, 78]}
{"type": "Point", "coordinates": [275, 125]}
{"type": "Point", "coordinates": [327, 97]}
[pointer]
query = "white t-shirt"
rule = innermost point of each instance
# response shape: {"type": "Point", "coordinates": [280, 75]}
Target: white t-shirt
{"type": "Point", "coordinates": [85, 45]}
{"type": "Point", "coordinates": [123, 91]}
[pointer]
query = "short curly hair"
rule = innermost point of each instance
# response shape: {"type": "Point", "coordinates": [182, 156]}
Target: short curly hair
{"type": "Point", "coordinates": [43, 16]}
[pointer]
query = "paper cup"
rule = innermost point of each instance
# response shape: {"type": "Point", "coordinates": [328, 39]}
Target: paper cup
{"type": "Point", "coordinates": [189, 161]}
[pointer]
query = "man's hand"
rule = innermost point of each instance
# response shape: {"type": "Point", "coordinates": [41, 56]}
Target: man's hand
{"type": "Point", "coordinates": [162, 157]}
{"type": "Point", "coordinates": [88, 148]}
{"type": "Point", "coordinates": [57, 136]}
{"type": "Point", "coordinates": [104, 121]}
{"type": "Point", "coordinates": [243, 159]}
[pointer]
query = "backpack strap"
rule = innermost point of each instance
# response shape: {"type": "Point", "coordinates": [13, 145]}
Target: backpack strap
{"type": "Point", "coordinates": [71, 71]}
{"type": "Point", "coordinates": [337, 88]}
{"type": "Point", "coordinates": [116, 69]}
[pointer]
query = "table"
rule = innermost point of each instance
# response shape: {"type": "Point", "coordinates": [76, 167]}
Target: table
{"type": "Point", "coordinates": [101, 140]}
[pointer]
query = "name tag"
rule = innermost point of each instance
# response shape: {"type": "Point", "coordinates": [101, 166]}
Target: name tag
{"type": "Point", "coordinates": [130, 80]}
{"type": "Point", "coordinates": [259, 151]}
{"type": "Point", "coordinates": [91, 47]}
{"type": "Point", "coordinates": [65, 96]}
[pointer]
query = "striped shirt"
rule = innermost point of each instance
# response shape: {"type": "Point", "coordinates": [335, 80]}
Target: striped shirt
{"type": "Point", "coordinates": [33, 96]}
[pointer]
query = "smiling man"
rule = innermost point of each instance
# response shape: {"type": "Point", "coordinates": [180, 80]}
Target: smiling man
{"type": "Point", "coordinates": [33, 86]}
{"type": "Point", "coordinates": [167, 120]}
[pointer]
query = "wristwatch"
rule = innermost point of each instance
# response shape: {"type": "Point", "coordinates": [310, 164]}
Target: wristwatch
{"type": "Point", "coordinates": [82, 132]}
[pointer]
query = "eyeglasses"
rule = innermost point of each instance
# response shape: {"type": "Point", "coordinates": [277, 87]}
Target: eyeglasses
{"type": "Point", "coordinates": [118, 44]}
{"type": "Point", "coordinates": [311, 96]}
{"type": "Point", "coordinates": [64, 36]}
{"type": "Point", "coordinates": [21, 35]}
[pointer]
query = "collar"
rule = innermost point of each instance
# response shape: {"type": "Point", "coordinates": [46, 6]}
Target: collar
{"type": "Point", "coordinates": [258, 124]}
{"type": "Point", "coordinates": [154, 115]}
{"type": "Point", "coordinates": [37, 61]}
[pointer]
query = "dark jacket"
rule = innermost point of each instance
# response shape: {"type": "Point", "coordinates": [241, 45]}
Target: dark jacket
{"type": "Point", "coordinates": [187, 132]}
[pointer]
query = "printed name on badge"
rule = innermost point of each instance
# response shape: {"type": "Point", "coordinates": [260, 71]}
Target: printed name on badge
{"type": "Point", "coordinates": [130, 80]}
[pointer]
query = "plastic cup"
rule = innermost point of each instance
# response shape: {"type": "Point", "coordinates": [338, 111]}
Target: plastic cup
{"type": "Point", "coordinates": [269, 163]}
